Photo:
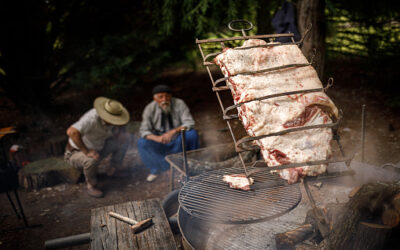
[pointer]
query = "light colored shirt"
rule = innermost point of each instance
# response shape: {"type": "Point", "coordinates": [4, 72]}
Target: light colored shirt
{"type": "Point", "coordinates": [94, 132]}
{"type": "Point", "coordinates": [151, 118]}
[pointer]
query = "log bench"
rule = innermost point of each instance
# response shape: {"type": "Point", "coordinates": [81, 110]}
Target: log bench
{"type": "Point", "coordinates": [47, 172]}
{"type": "Point", "coordinates": [109, 233]}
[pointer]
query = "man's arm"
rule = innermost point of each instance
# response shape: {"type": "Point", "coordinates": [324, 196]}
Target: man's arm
{"type": "Point", "coordinates": [186, 119]}
{"type": "Point", "coordinates": [146, 126]}
{"type": "Point", "coordinates": [167, 136]}
{"type": "Point", "coordinates": [76, 137]}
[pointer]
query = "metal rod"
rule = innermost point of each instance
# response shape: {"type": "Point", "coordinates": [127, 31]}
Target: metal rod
{"type": "Point", "coordinates": [222, 88]}
{"type": "Point", "coordinates": [171, 178]}
{"type": "Point", "coordinates": [20, 208]}
{"type": "Point", "coordinates": [290, 130]}
{"type": "Point", "coordinates": [299, 43]}
{"type": "Point", "coordinates": [242, 38]}
{"type": "Point", "coordinates": [69, 241]}
{"type": "Point", "coordinates": [294, 165]}
{"type": "Point", "coordinates": [363, 132]}
{"type": "Point", "coordinates": [262, 71]}
{"type": "Point", "coordinates": [272, 96]}
{"type": "Point", "coordinates": [205, 62]}
{"type": "Point", "coordinates": [222, 106]}
{"type": "Point", "coordinates": [320, 217]}
{"type": "Point", "coordinates": [12, 205]}
{"type": "Point", "coordinates": [183, 136]}
{"type": "Point", "coordinates": [209, 198]}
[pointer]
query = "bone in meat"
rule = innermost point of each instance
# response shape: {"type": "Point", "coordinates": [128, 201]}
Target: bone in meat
{"type": "Point", "coordinates": [280, 113]}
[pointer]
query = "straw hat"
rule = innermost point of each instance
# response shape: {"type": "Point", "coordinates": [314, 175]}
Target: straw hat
{"type": "Point", "coordinates": [111, 111]}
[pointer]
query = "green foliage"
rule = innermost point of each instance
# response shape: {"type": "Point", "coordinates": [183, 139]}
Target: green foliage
{"type": "Point", "coordinates": [370, 31]}
{"type": "Point", "coordinates": [153, 35]}
{"type": "Point", "coordinates": [112, 46]}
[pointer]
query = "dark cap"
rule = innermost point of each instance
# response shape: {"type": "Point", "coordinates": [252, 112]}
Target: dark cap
{"type": "Point", "coordinates": [161, 88]}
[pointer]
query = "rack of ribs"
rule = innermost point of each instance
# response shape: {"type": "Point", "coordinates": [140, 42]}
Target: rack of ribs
{"type": "Point", "coordinates": [263, 117]}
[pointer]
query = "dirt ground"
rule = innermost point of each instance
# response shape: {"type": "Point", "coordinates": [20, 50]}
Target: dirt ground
{"type": "Point", "coordinates": [64, 209]}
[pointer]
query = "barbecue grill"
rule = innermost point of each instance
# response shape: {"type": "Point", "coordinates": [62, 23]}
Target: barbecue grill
{"type": "Point", "coordinates": [206, 199]}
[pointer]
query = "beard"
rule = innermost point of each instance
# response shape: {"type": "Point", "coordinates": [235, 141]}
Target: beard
{"type": "Point", "coordinates": [166, 107]}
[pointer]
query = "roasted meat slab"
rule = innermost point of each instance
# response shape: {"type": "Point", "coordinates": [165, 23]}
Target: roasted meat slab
{"type": "Point", "coordinates": [280, 113]}
{"type": "Point", "coordinates": [238, 181]}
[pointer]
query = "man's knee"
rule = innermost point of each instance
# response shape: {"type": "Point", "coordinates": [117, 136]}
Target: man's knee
{"type": "Point", "coordinates": [192, 135]}
{"type": "Point", "coordinates": [89, 163]}
{"type": "Point", "coordinates": [146, 144]}
{"type": "Point", "coordinates": [142, 143]}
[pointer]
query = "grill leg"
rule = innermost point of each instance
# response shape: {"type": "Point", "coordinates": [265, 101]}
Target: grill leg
{"type": "Point", "coordinates": [13, 206]}
{"type": "Point", "coordinates": [20, 208]}
{"type": "Point", "coordinates": [171, 178]}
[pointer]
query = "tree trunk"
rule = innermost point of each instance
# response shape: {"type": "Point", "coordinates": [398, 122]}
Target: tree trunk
{"type": "Point", "coordinates": [312, 12]}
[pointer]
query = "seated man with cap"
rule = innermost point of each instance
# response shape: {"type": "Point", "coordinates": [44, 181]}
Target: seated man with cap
{"type": "Point", "coordinates": [98, 133]}
{"type": "Point", "coordinates": [163, 119]}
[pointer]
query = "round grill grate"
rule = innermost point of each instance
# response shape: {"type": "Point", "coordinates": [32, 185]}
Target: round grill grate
{"type": "Point", "coordinates": [207, 197]}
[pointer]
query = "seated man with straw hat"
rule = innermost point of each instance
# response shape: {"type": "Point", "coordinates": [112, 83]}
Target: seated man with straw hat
{"type": "Point", "coordinates": [162, 121]}
{"type": "Point", "coordinates": [98, 133]}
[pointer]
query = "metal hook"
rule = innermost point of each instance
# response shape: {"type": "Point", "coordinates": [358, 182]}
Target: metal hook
{"type": "Point", "coordinates": [309, 27]}
{"type": "Point", "coordinates": [330, 83]}
{"type": "Point", "coordinates": [313, 55]}
{"type": "Point", "coordinates": [243, 29]}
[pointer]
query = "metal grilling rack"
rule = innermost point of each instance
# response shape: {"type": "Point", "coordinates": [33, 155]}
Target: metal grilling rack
{"type": "Point", "coordinates": [190, 202]}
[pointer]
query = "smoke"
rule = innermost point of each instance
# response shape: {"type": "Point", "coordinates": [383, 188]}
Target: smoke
{"type": "Point", "coordinates": [364, 173]}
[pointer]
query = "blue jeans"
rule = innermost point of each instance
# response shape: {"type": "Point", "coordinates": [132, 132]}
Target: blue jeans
{"type": "Point", "coordinates": [153, 153]}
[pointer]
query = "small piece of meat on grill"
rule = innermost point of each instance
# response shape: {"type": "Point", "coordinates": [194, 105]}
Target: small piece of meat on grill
{"type": "Point", "coordinates": [284, 112]}
{"type": "Point", "coordinates": [238, 181]}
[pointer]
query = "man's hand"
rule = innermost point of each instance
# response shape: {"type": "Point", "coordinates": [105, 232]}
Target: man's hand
{"type": "Point", "coordinates": [76, 137]}
{"type": "Point", "coordinates": [156, 138]}
{"type": "Point", "coordinates": [167, 136]}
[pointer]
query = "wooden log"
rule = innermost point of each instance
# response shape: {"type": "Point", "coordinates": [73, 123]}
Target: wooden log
{"type": "Point", "coordinates": [291, 238]}
{"type": "Point", "coordinates": [365, 206]}
{"type": "Point", "coordinates": [370, 236]}
{"type": "Point", "coordinates": [352, 225]}
{"type": "Point", "coordinates": [47, 172]}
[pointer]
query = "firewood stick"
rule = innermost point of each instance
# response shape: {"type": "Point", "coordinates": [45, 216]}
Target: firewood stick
{"type": "Point", "coordinates": [293, 237]}
{"type": "Point", "coordinates": [372, 225]}
{"type": "Point", "coordinates": [354, 191]}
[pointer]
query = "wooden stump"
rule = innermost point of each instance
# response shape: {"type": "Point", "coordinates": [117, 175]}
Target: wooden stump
{"type": "Point", "coordinates": [47, 172]}
{"type": "Point", "coordinates": [366, 221]}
